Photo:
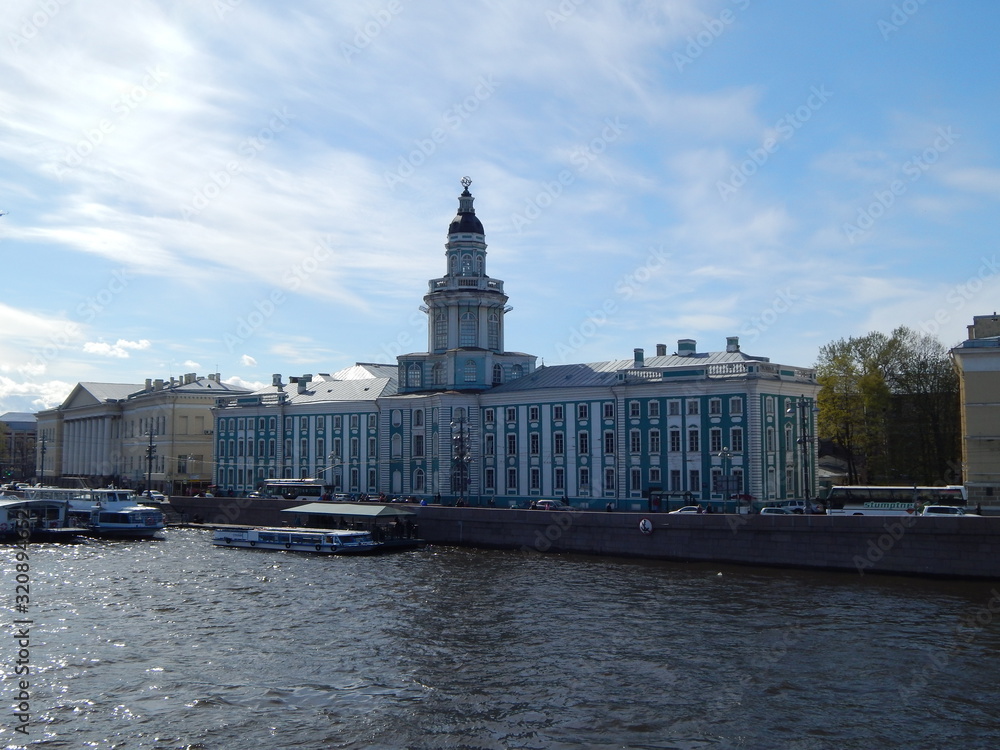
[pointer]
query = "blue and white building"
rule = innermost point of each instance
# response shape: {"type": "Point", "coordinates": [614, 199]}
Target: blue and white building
{"type": "Point", "coordinates": [468, 418]}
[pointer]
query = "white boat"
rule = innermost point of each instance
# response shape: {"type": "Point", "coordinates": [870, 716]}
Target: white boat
{"type": "Point", "coordinates": [46, 519]}
{"type": "Point", "coordinates": [105, 512]}
{"type": "Point", "coordinates": [324, 541]}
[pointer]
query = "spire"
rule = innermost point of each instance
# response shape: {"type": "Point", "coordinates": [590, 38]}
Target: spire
{"type": "Point", "coordinates": [465, 222]}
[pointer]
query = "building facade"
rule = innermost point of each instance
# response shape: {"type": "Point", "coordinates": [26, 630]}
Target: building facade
{"type": "Point", "coordinates": [977, 361]}
{"type": "Point", "coordinates": [18, 432]}
{"type": "Point", "coordinates": [157, 435]}
{"type": "Point", "coordinates": [469, 420]}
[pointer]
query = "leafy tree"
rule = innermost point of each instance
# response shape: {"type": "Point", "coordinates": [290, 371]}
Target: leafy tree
{"type": "Point", "coordinates": [890, 405]}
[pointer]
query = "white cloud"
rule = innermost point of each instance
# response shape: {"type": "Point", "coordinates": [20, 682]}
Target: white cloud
{"type": "Point", "coordinates": [247, 361]}
{"type": "Point", "coordinates": [29, 396]}
{"type": "Point", "coordinates": [120, 349]}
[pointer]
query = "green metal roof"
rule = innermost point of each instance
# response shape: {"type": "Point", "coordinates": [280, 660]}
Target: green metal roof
{"type": "Point", "coordinates": [357, 510]}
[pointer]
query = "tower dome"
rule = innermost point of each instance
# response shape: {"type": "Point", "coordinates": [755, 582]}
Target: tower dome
{"type": "Point", "coordinates": [465, 221]}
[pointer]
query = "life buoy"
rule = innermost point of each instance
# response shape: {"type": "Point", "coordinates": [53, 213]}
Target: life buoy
{"type": "Point", "coordinates": [228, 540]}
{"type": "Point", "coordinates": [646, 526]}
{"type": "Point", "coordinates": [288, 545]}
{"type": "Point", "coordinates": [253, 544]}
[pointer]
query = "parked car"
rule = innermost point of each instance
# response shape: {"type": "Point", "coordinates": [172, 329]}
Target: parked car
{"type": "Point", "coordinates": [551, 505]}
{"type": "Point", "coordinates": [776, 512]}
{"type": "Point", "coordinates": [689, 509]}
{"type": "Point", "coordinates": [155, 497]}
{"type": "Point", "coordinates": [942, 510]}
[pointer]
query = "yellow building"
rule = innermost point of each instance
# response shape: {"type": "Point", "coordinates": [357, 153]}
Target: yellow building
{"type": "Point", "coordinates": [977, 361]}
{"type": "Point", "coordinates": [158, 435]}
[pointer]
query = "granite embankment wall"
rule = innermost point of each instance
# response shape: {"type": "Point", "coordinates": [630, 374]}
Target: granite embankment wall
{"type": "Point", "coordinates": [925, 546]}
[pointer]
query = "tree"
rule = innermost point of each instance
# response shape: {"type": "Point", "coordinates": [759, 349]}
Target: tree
{"type": "Point", "coordinates": [890, 405]}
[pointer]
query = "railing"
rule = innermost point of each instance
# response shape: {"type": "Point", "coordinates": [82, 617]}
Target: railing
{"type": "Point", "coordinates": [466, 282]}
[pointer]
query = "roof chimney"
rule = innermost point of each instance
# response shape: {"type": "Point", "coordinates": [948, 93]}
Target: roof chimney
{"type": "Point", "coordinates": [732, 343]}
{"type": "Point", "coordinates": [687, 347]}
{"type": "Point", "coordinates": [303, 383]}
{"type": "Point", "coordinates": [640, 358]}
{"type": "Point", "coordinates": [149, 382]}
{"type": "Point", "coordinates": [661, 350]}
{"type": "Point", "coordinates": [158, 384]}
{"type": "Point", "coordinates": [276, 380]}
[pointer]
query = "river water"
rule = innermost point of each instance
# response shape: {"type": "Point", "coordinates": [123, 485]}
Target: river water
{"type": "Point", "coordinates": [178, 644]}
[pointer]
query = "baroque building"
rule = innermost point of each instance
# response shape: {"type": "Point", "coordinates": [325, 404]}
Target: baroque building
{"type": "Point", "coordinates": [469, 419]}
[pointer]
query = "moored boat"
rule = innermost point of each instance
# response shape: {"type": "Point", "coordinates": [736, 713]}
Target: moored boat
{"type": "Point", "coordinates": [38, 520]}
{"type": "Point", "coordinates": [105, 512]}
{"type": "Point", "coordinates": [323, 541]}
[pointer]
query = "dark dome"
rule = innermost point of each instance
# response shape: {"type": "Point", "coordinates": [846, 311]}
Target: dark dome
{"type": "Point", "coordinates": [466, 223]}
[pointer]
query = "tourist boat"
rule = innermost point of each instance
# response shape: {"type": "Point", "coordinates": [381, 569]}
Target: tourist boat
{"type": "Point", "coordinates": [105, 512]}
{"type": "Point", "coordinates": [324, 541]}
{"type": "Point", "coordinates": [38, 520]}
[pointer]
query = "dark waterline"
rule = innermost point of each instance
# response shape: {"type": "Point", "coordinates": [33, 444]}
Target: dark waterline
{"type": "Point", "coordinates": [178, 644]}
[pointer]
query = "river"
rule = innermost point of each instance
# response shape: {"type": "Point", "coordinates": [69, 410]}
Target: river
{"type": "Point", "coordinates": [178, 644]}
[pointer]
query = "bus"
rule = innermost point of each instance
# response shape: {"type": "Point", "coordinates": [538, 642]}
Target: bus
{"type": "Point", "coordinates": [306, 490]}
{"type": "Point", "coordinates": [871, 500]}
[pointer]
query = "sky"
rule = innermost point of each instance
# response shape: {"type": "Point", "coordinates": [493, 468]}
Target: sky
{"type": "Point", "coordinates": [250, 188]}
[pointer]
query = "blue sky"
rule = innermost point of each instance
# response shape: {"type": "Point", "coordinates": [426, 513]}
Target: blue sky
{"type": "Point", "coordinates": [256, 188]}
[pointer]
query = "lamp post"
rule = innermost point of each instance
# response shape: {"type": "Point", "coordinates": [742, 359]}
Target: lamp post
{"type": "Point", "coordinates": [804, 407]}
{"type": "Point", "coordinates": [150, 455]}
{"type": "Point", "coordinates": [725, 484]}
{"type": "Point", "coordinates": [461, 455]}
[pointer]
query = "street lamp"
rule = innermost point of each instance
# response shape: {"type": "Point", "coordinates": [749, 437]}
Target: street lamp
{"type": "Point", "coordinates": [150, 455]}
{"type": "Point", "coordinates": [461, 455]}
{"type": "Point", "coordinates": [725, 481]}
{"type": "Point", "coordinates": [804, 407]}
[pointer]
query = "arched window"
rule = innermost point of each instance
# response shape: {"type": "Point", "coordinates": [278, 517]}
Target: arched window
{"type": "Point", "coordinates": [470, 371]}
{"type": "Point", "coordinates": [467, 330]}
{"type": "Point", "coordinates": [516, 371]}
{"type": "Point", "coordinates": [453, 264]}
{"type": "Point", "coordinates": [441, 329]}
{"type": "Point", "coordinates": [418, 480]}
{"type": "Point", "coordinates": [438, 373]}
{"type": "Point", "coordinates": [413, 376]}
{"type": "Point", "coordinates": [494, 331]}
{"type": "Point", "coordinates": [497, 375]}
{"type": "Point", "coordinates": [479, 265]}
{"type": "Point", "coordinates": [466, 265]}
